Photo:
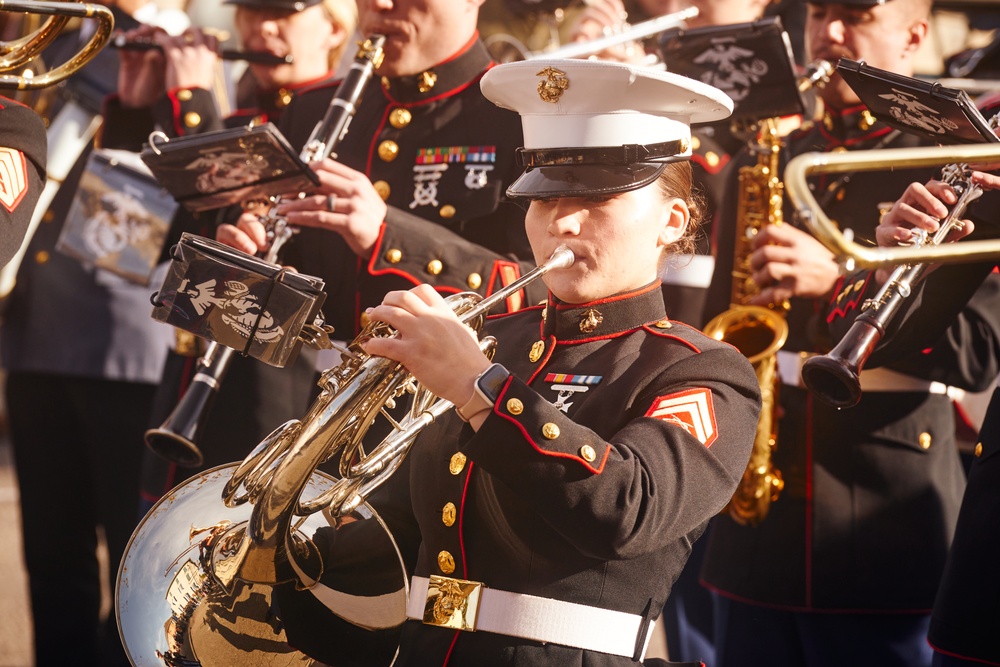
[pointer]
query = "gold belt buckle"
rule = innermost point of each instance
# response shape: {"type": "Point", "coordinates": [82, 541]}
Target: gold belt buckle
{"type": "Point", "coordinates": [452, 603]}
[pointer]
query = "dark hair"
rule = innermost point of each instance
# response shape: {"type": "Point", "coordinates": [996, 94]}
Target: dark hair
{"type": "Point", "coordinates": [676, 181]}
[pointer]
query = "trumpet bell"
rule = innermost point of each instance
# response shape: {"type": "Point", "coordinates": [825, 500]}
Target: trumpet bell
{"type": "Point", "coordinates": [176, 608]}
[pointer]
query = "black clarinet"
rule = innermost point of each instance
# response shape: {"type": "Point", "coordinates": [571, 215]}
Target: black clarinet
{"type": "Point", "coordinates": [175, 439]}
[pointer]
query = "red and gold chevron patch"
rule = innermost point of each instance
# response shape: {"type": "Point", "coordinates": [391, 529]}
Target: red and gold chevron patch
{"type": "Point", "coordinates": [691, 409]}
{"type": "Point", "coordinates": [13, 178]}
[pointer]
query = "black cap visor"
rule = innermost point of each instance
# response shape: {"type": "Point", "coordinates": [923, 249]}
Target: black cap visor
{"type": "Point", "coordinates": [584, 180]}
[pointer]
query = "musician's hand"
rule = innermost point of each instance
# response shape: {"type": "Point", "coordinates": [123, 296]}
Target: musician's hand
{"type": "Point", "coordinates": [191, 59]}
{"type": "Point", "coordinates": [601, 18]}
{"type": "Point", "coordinates": [248, 234]}
{"type": "Point", "coordinates": [140, 73]}
{"type": "Point", "coordinates": [429, 331]}
{"type": "Point", "coordinates": [346, 202]}
{"type": "Point", "coordinates": [789, 262]}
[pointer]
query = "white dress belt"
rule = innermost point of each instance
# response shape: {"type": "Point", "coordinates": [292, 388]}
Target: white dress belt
{"type": "Point", "coordinates": [547, 621]}
{"type": "Point", "coordinates": [875, 379]}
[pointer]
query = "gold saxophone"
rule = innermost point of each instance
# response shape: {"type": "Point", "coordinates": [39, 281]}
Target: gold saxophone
{"type": "Point", "coordinates": [758, 331]}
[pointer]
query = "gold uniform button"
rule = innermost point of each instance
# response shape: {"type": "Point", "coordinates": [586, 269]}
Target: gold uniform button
{"type": "Point", "coordinates": [712, 158]}
{"type": "Point", "coordinates": [435, 267]}
{"type": "Point", "coordinates": [282, 98]}
{"type": "Point", "coordinates": [400, 118]}
{"type": "Point", "coordinates": [446, 562]}
{"type": "Point", "coordinates": [447, 211]}
{"type": "Point", "coordinates": [388, 150]}
{"type": "Point", "coordinates": [192, 119]}
{"type": "Point", "coordinates": [383, 189]}
{"type": "Point", "coordinates": [394, 255]}
{"type": "Point", "coordinates": [537, 349]}
{"type": "Point", "coordinates": [979, 449]}
{"type": "Point", "coordinates": [925, 440]}
{"type": "Point", "coordinates": [695, 143]}
{"type": "Point", "coordinates": [448, 513]}
{"type": "Point", "coordinates": [550, 431]}
{"type": "Point", "coordinates": [41, 256]}
{"type": "Point", "coordinates": [457, 463]}
{"type": "Point", "coordinates": [515, 406]}
{"type": "Point", "coordinates": [474, 281]}
{"type": "Point", "coordinates": [663, 324]}
{"type": "Point", "coordinates": [184, 95]}
{"type": "Point", "coordinates": [587, 453]}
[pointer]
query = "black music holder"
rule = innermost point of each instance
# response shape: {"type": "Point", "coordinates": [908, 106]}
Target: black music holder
{"type": "Point", "coordinates": [227, 167]}
{"type": "Point", "coordinates": [943, 115]}
{"type": "Point", "coordinates": [750, 62]}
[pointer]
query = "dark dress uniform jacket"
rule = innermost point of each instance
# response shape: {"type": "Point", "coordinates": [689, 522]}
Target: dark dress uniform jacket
{"type": "Point", "coordinates": [967, 608]}
{"type": "Point", "coordinates": [442, 159]}
{"type": "Point", "coordinates": [603, 513]}
{"type": "Point", "coordinates": [872, 493]}
{"type": "Point", "coordinates": [22, 172]}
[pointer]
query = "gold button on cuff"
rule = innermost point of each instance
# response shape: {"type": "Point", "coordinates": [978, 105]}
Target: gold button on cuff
{"type": "Point", "coordinates": [184, 95]}
{"type": "Point", "coordinates": [41, 256]}
{"type": "Point", "coordinates": [383, 189]}
{"type": "Point", "coordinates": [400, 118]}
{"type": "Point", "coordinates": [388, 150]}
{"type": "Point", "coordinates": [192, 119]}
{"type": "Point", "coordinates": [394, 255]}
{"type": "Point", "coordinates": [515, 406]}
{"type": "Point", "coordinates": [474, 280]}
{"type": "Point", "coordinates": [447, 211]}
{"type": "Point", "coordinates": [550, 431]}
{"type": "Point", "coordinates": [925, 440]}
{"type": "Point", "coordinates": [446, 562]}
{"type": "Point", "coordinates": [587, 453]}
{"type": "Point", "coordinates": [448, 513]}
{"type": "Point", "coordinates": [457, 463]}
{"type": "Point", "coordinates": [979, 449]}
{"type": "Point", "coordinates": [435, 267]}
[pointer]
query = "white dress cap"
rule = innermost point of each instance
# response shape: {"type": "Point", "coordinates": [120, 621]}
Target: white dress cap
{"type": "Point", "coordinates": [645, 114]}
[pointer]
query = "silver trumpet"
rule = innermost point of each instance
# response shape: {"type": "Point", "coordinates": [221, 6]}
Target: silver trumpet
{"type": "Point", "coordinates": [201, 574]}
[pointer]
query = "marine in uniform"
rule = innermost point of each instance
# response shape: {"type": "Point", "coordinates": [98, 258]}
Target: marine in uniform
{"type": "Point", "coordinates": [22, 154]}
{"type": "Point", "coordinates": [965, 611]}
{"type": "Point", "coordinates": [254, 398]}
{"type": "Point", "coordinates": [440, 156]}
{"type": "Point", "coordinates": [82, 358]}
{"type": "Point", "coordinates": [854, 546]}
{"type": "Point", "coordinates": [605, 435]}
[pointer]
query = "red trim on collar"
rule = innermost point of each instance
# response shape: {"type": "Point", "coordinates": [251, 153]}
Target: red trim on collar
{"type": "Point", "coordinates": [655, 285]}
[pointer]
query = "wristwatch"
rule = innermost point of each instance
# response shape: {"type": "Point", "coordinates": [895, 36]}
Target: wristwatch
{"type": "Point", "coordinates": [485, 392]}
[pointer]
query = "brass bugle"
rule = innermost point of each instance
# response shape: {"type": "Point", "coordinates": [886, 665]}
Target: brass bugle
{"type": "Point", "coordinates": [851, 255]}
{"type": "Point", "coordinates": [835, 377]}
{"type": "Point", "coordinates": [19, 52]}
{"type": "Point", "coordinates": [123, 43]}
